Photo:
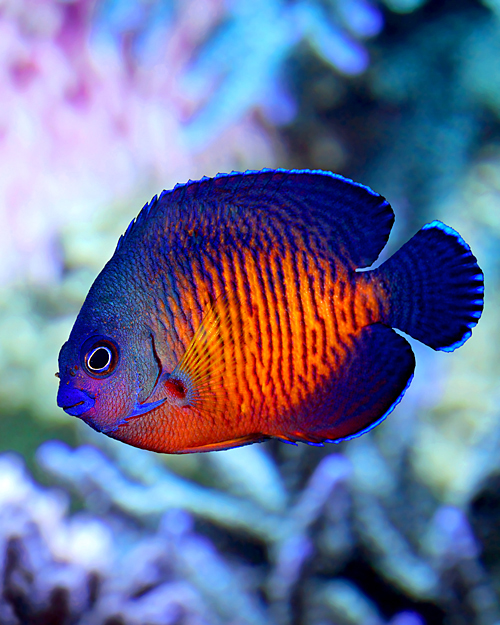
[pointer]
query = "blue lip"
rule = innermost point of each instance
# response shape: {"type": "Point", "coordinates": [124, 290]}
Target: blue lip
{"type": "Point", "coordinates": [74, 401]}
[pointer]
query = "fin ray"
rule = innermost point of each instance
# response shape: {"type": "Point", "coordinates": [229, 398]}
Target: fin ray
{"type": "Point", "coordinates": [199, 379]}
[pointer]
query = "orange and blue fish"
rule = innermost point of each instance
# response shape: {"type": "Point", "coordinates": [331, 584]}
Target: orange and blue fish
{"type": "Point", "coordinates": [233, 311]}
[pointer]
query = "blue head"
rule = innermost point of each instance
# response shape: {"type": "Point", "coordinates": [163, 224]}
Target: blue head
{"type": "Point", "coordinates": [108, 368]}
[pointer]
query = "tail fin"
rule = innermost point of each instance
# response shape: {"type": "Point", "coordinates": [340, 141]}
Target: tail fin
{"type": "Point", "coordinates": [435, 288]}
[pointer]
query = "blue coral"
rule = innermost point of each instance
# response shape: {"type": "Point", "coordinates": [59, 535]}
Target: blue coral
{"type": "Point", "coordinates": [240, 64]}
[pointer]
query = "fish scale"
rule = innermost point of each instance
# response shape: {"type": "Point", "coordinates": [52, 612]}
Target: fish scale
{"type": "Point", "coordinates": [232, 311]}
{"type": "Point", "coordinates": [287, 369]}
{"type": "Point", "coordinates": [291, 377]}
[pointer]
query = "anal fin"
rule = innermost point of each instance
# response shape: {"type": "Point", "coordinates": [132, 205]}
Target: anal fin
{"type": "Point", "coordinates": [229, 444]}
{"type": "Point", "coordinates": [366, 388]}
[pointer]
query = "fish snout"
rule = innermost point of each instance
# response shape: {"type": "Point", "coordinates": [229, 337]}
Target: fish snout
{"type": "Point", "coordinates": [74, 401]}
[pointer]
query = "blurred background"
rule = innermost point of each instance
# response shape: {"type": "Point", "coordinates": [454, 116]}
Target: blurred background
{"type": "Point", "coordinates": [104, 103]}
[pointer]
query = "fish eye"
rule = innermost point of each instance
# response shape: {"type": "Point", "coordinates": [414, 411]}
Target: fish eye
{"type": "Point", "coordinates": [99, 356]}
{"type": "Point", "coordinates": [99, 359]}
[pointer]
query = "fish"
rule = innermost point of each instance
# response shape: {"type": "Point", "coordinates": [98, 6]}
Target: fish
{"type": "Point", "coordinates": [245, 307]}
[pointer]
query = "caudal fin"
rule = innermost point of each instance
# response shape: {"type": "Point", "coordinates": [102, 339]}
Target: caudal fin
{"type": "Point", "coordinates": [435, 288]}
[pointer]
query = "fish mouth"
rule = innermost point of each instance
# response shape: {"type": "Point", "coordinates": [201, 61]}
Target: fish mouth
{"type": "Point", "coordinates": [74, 401]}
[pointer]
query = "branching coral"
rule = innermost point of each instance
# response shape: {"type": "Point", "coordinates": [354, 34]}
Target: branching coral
{"type": "Point", "coordinates": [306, 539]}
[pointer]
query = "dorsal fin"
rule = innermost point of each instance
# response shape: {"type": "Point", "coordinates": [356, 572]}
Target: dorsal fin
{"type": "Point", "coordinates": [141, 219]}
{"type": "Point", "coordinates": [327, 210]}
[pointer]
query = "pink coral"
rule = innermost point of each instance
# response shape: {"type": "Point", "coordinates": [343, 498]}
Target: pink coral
{"type": "Point", "coordinates": [84, 124]}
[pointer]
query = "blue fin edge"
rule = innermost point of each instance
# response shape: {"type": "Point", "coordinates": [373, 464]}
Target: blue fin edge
{"type": "Point", "coordinates": [379, 421]}
{"type": "Point", "coordinates": [348, 438]}
{"type": "Point", "coordinates": [479, 277]}
{"type": "Point", "coordinates": [266, 170]}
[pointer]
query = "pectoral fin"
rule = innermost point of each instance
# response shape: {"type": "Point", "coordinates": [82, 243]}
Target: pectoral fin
{"type": "Point", "coordinates": [199, 380]}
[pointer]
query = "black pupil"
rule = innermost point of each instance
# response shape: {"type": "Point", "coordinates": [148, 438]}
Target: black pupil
{"type": "Point", "coordinates": [100, 359]}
